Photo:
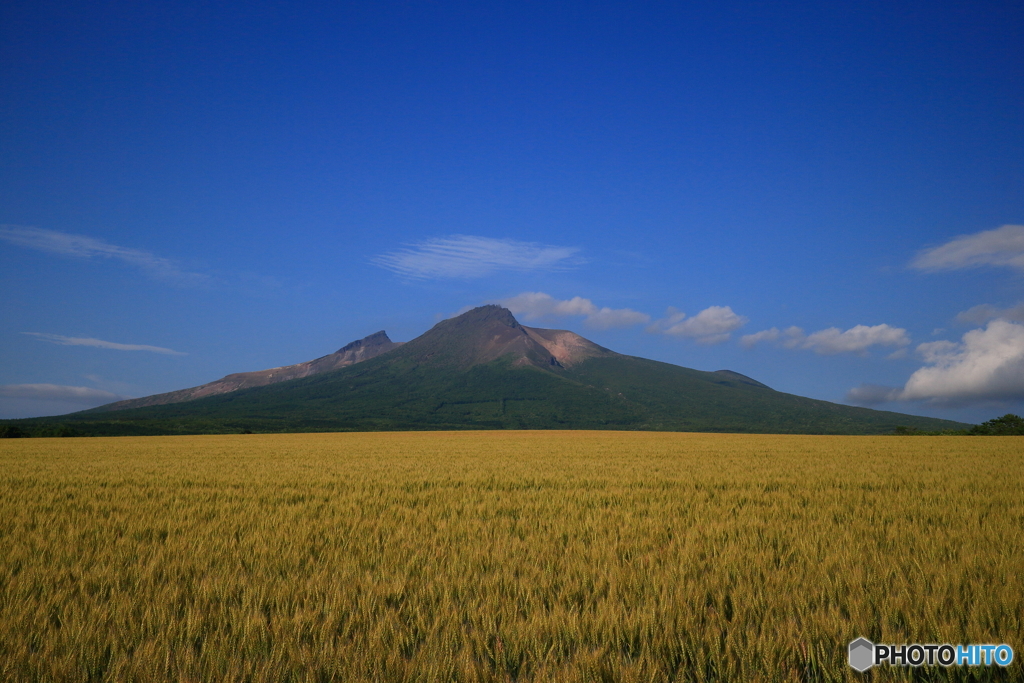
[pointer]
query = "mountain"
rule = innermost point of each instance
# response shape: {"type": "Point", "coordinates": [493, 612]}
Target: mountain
{"type": "Point", "coordinates": [360, 350]}
{"type": "Point", "coordinates": [483, 370]}
{"type": "Point", "coordinates": [490, 333]}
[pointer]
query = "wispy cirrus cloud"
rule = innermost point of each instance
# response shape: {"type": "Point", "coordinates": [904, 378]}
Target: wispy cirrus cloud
{"type": "Point", "coordinates": [985, 366]}
{"type": "Point", "coordinates": [468, 256]}
{"type": "Point", "coordinates": [85, 247]}
{"type": "Point", "coordinates": [58, 392]}
{"type": "Point", "coordinates": [711, 326]}
{"type": "Point", "coordinates": [1000, 247]}
{"type": "Point", "coordinates": [538, 305]}
{"type": "Point", "coordinates": [101, 344]}
{"type": "Point", "coordinates": [831, 341]}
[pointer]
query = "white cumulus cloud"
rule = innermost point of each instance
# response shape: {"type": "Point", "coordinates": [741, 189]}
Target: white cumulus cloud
{"type": "Point", "coordinates": [985, 366]}
{"type": "Point", "coordinates": [979, 315]}
{"type": "Point", "coordinates": [749, 341]}
{"type": "Point", "coordinates": [832, 340]}
{"type": "Point", "coordinates": [791, 337]}
{"type": "Point", "coordinates": [468, 256]}
{"type": "Point", "coordinates": [84, 247]}
{"type": "Point", "coordinates": [538, 305]}
{"type": "Point", "coordinates": [101, 344]}
{"type": "Point", "coordinates": [57, 392]}
{"type": "Point", "coordinates": [857, 339]}
{"type": "Point", "coordinates": [713, 325]}
{"type": "Point", "coordinates": [1000, 247]}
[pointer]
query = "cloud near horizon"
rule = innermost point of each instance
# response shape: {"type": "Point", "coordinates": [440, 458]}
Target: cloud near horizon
{"type": "Point", "coordinates": [1000, 247]}
{"type": "Point", "coordinates": [57, 392]}
{"type": "Point", "coordinates": [831, 341]}
{"type": "Point", "coordinates": [101, 344]}
{"type": "Point", "coordinates": [538, 305]}
{"type": "Point", "coordinates": [84, 247]}
{"type": "Point", "coordinates": [711, 326]}
{"type": "Point", "coordinates": [986, 366]}
{"type": "Point", "coordinates": [469, 256]}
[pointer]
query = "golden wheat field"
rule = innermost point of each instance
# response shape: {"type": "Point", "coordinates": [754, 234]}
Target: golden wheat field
{"type": "Point", "coordinates": [504, 556]}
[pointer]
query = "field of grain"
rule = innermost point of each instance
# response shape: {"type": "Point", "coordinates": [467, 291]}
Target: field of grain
{"type": "Point", "coordinates": [504, 556]}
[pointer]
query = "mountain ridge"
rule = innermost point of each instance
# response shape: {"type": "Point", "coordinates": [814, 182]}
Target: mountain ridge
{"type": "Point", "coordinates": [354, 352]}
{"type": "Point", "coordinates": [484, 370]}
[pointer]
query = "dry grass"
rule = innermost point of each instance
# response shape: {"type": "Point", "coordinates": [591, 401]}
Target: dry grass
{"type": "Point", "coordinates": [503, 556]}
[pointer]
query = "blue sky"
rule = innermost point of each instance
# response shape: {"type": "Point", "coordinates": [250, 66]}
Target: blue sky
{"type": "Point", "coordinates": [827, 197]}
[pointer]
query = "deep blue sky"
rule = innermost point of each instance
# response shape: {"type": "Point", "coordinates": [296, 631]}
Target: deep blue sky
{"type": "Point", "coordinates": [256, 184]}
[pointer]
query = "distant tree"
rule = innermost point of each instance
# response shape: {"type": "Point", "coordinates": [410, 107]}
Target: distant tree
{"type": "Point", "coordinates": [11, 432]}
{"type": "Point", "coordinates": [1007, 425]}
{"type": "Point", "coordinates": [902, 430]}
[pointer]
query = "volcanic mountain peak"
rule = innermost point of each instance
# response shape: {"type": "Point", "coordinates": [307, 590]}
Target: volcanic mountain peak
{"type": "Point", "coordinates": [482, 369]}
{"type": "Point", "coordinates": [370, 341]}
{"type": "Point", "coordinates": [487, 333]}
{"type": "Point", "coordinates": [479, 335]}
{"type": "Point", "coordinates": [487, 314]}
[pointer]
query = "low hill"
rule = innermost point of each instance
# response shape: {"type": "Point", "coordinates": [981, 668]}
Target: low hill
{"type": "Point", "coordinates": [483, 370]}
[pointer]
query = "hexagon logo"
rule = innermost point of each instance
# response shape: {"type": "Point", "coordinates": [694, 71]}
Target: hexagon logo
{"type": "Point", "coordinates": [862, 654]}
